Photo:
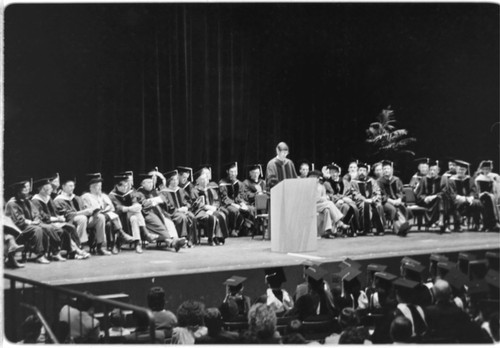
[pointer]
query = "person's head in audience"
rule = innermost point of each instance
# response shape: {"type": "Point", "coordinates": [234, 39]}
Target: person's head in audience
{"type": "Point", "coordinates": [262, 321]}
{"type": "Point", "coordinates": [229, 309]}
{"type": "Point", "coordinates": [282, 151]}
{"type": "Point", "coordinates": [401, 330]}
{"type": "Point", "coordinates": [213, 321]}
{"type": "Point", "coordinates": [116, 318]}
{"type": "Point", "coordinates": [348, 318]}
{"type": "Point", "coordinates": [304, 306]}
{"type": "Point", "coordinates": [191, 314]}
{"type": "Point", "coordinates": [423, 168]}
{"type": "Point", "coordinates": [352, 335]}
{"type": "Point", "coordinates": [377, 170]}
{"type": "Point", "coordinates": [141, 320]}
{"type": "Point", "coordinates": [30, 329]}
{"type": "Point", "coordinates": [442, 291]}
{"type": "Point", "coordinates": [84, 304]}
{"type": "Point", "coordinates": [156, 299]}
{"type": "Point", "coordinates": [304, 169]}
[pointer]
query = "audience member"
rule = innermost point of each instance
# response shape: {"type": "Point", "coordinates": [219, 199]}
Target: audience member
{"type": "Point", "coordinates": [216, 333]}
{"type": "Point", "coordinates": [164, 319]}
{"type": "Point", "coordinates": [142, 332]}
{"type": "Point", "coordinates": [31, 329]}
{"type": "Point", "coordinates": [261, 326]}
{"type": "Point", "coordinates": [190, 315]}
{"type": "Point", "coordinates": [83, 327]}
{"type": "Point", "coordinates": [401, 330]}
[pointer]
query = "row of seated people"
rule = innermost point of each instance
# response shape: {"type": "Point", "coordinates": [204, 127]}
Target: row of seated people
{"type": "Point", "coordinates": [457, 303]}
{"type": "Point", "coordinates": [166, 207]}
{"type": "Point", "coordinates": [366, 202]}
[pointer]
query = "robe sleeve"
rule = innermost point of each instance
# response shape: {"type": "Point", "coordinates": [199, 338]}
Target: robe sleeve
{"type": "Point", "coordinates": [14, 211]}
{"type": "Point", "coordinates": [44, 217]}
{"type": "Point", "coordinates": [271, 174]}
{"type": "Point", "coordinates": [225, 199]}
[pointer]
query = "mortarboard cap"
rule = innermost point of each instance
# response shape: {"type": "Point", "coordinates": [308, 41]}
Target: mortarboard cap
{"type": "Point", "coordinates": [438, 258]}
{"type": "Point", "coordinates": [170, 174]}
{"type": "Point", "coordinates": [407, 259]}
{"type": "Point", "coordinates": [462, 164]}
{"type": "Point", "coordinates": [37, 184]}
{"type": "Point", "coordinates": [347, 262]}
{"type": "Point", "coordinates": [404, 283]}
{"type": "Point", "coordinates": [65, 179]}
{"type": "Point", "coordinates": [363, 165]}
{"type": "Point", "coordinates": [145, 176]}
{"type": "Point", "coordinates": [334, 166]}
{"type": "Point", "coordinates": [94, 178]}
{"type": "Point", "coordinates": [373, 267]}
{"type": "Point", "coordinates": [385, 276]}
{"type": "Point", "coordinates": [126, 173]}
{"type": "Point", "coordinates": [353, 160]}
{"type": "Point", "coordinates": [463, 261]}
{"type": "Point", "coordinates": [53, 176]}
{"type": "Point", "coordinates": [414, 267]}
{"type": "Point", "coordinates": [478, 288]}
{"type": "Point", "coordinates": [21, 183]}
{"type": "Point", "coordinates": [205, 165]}
{"type": "Point", "coordinates": [348, 274]}
{"type": "Point", "coordinates": [309, 263]}
{"type": "Point", "coordinates": [275, 275]}
{"type": "Point", "coordinates": [477, 269]}
{"type": "Point", "coordinates": [423, 160]}
{"type": "Point", "coordinates": [446, 265]}
{"type": "Point", "coordinates": [387, 163]}
{"type": "Point", "coordinates": [456, 279]}
{"type": "Point", "coordinates": [315, 173]}
{"type": "Point", "coordinates": [119, 178]}
{"type": "Point", "coordinates": [230, 165]}
{"type": "Point", "coordinates": [234, 281]}
{"type": "Point", "coordinates": [486, 164]}
{"type": "Point", "coordinates": [491, 278]}
{"type": "Point", "coordinates": [434, 163]}
{"type": "Point", "coordinates": [316, 272]}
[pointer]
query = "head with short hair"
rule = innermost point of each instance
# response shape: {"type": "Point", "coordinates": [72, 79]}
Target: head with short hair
{"type": "Point", "coordinates": [83, 303]}
{"type": "Point", "coordinates": [401, 329]}
{"type": "Point", "coordinates": [442, 291]}
{"type": "Point", "coordinates": [387, 170]}
{"type": "Point", "coordinates": [147, 184]}
{"type": "Point", "coordinates": [433, 170]}
{"type": "Point", "coordinates": [95, 188]}
{"type": "Point", "coordinates": [304, 170]}
{"type": "Point", "coordinates": [262, 321]}
{"type": "Point", "coordinates": [282, 150]}
{"type": "Point", "coordinates": [156, 298]}
{"type": "Point", "coordinates": [190, 313]}
{"type": "Point", "coordinates": [30, 329]}
{"type": "Point", "coordinates": [68, 187]}
{"type": "Point", "coordinates": [348, 318]}
{"type": "Point", "coordinates": [423, 168]}
{"type": "Point", "coordinates": [213, 321]}
{"type": "Point", "coordinates": [377, 170]}
{"type": "Point", "coordinates": [352, 335]}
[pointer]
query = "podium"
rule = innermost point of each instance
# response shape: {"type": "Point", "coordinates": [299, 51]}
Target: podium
{"type": "Point", "coordinates": [293, 216]}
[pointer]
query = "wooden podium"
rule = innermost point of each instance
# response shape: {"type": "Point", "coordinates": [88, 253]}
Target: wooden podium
{"type": "Point", "coordinates": [293, 216]}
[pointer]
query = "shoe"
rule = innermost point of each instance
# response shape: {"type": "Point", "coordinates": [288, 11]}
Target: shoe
{"type": "Point", "coordinates": [189, 244]}
{"type": "Point", "coordinates": [115, 250]}
{"type": "Point", "coordinates": [42, 259]}
{"type": "Point", "coordinates": [57, 257]}
{"type": "Point", "coordinates": [179, 243]}
{"type": "Point", "coordinates": [126, 237]}
{"type": "Point", "coordinates": [151, 237]}
{"type": "Point", "coordinates": [13, 249]}
{"type": "Point", "coordinates": [102, 252]}
{"type": "Point", "coordinates": [403, 229]}
{"type": "Point", "coordinates": [457, 228]}
{"type": "Point", "coordinates": [221, 241]}
{"type": "Point", "coordinates": [12, 263]}
{"type": "Point", "coordinates": [234, 234]}
{"type": "Point", "coordinates": [211, 243]}
{"type": "Point", "coordinates": [138, 248]}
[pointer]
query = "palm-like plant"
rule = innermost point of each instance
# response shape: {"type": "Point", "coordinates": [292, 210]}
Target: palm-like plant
{"type": "Point", "coordinates": [385, 139]}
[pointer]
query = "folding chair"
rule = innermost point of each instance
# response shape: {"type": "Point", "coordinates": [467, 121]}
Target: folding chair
{"type": "Point", "coordinates": [411, 204]}
{"type": "Point", "coordinates": [262, 213]}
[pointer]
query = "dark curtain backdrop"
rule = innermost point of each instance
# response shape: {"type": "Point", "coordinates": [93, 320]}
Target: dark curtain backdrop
{"type": "Point", "coordinates": [112, 87]}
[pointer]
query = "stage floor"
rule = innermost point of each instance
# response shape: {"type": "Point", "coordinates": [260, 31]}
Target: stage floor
{"type": "Point", "coordinates": [245, 253]}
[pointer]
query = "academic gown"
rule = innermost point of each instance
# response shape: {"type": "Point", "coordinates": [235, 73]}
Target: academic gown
{"type": "Point", "coordinates": [33, 237]}
{"type": "Point", "coordinates": [277, 171]}
{"type": "Point", "coordinates": [341, 190]}
{"type": "Point", "coordinates": [393, 188]}
{"type": "Point", "coordinates": [430, 187]}
{"type": "Point", "coordinates": [185, 222]}
{"type": "Point", "coordinates": [465, 187]}
{"type": "Point", "coordinates": [215, 223]}
{"type": "Point", "coordinates": [68, 207]}
{"type": "Point", "coordinates": [369, 212]}
{"type": "Point", "coordinates": [232, 192]}
{"type": "Point", "coordinates": [156, 217]}
{"type": "Point", "coordinates": [487, 186]}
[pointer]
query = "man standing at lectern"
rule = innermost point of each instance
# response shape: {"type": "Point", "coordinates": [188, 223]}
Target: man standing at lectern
{"type": "Point", "coordinates": [280, 168]}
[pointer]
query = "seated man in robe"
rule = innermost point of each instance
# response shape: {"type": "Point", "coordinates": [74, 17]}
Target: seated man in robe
{"type": "Point", "coordinates": [391, 189]}
{"type": "Point", "coordinates": [154, 210]}
{"type": "Point", "coordinates": [366, 194]}
{"type": "Point", "coordinates": [185, 181]}
{"type": "Point", "coordinates": [430, 195]}
{"type": "Point", "coordinates": [129, 208]}
{"type": "Point", "coordinates": [207, 210]}
{"type": "Point", "coordinates": [463, 193]}
{"type": "Point", "coordinates": [179, 208]}
{"type": "Point", "coordinates": [241, 216]}
{"type": "Point", "coordinates": [488, 184]}
{"type": "Point", "coordinates": [103, 209]}
{"type": "Point", "coordinates": [26, 218]}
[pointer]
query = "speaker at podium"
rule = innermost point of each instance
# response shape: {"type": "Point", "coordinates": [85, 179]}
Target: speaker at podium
{"type": "Point", "coordinates": [293, 216]}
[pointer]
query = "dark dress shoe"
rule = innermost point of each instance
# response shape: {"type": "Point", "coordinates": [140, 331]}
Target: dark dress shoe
{"type": "Point", "coordinates": [179, 243]}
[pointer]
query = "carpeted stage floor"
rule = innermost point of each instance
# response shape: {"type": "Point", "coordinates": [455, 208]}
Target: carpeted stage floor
{"type": "Point", "coordinates": [244, 253]}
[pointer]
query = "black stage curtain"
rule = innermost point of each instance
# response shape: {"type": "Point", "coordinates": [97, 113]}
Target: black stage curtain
{"type": "Point", "coordinates": [112, 87]}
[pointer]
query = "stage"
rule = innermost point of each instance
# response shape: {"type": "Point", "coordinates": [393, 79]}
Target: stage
{"type": "Point", "coordinates": [246, 253]}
